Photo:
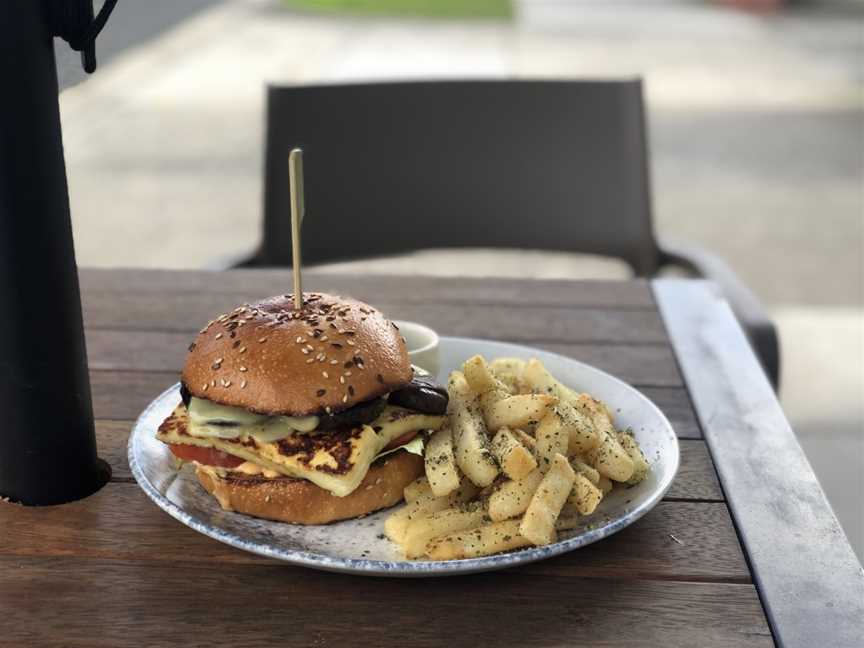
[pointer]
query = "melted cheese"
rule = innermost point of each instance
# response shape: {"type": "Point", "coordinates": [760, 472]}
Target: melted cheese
{"type": "Point", "coordinates": [338, 469]}
{"type": "Point", "coordinates": [204, 416]}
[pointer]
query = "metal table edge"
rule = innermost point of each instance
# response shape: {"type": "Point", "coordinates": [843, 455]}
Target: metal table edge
{"type": "Point", "coordinates": [808, 578]}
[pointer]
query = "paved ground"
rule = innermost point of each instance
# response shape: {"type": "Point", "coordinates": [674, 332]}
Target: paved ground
{"type": "Point", "coordinates": [757, 132]}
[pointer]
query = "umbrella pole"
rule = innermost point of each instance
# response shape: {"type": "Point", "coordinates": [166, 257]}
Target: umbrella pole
{"type": "Point", "coordinates": [47, 437]}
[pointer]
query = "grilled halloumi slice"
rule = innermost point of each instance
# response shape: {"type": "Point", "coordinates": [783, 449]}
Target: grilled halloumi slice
{"type": "Point", "coordinates": [336, 461]}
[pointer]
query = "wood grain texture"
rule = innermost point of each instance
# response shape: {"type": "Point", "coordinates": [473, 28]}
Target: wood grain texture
{"type": "Point", "coordinates": [809, 579]}
{"type": "Point", "coordinates": [148, 312]}
{"type": "Point", "coordinates": [675, 404]}
{"type": "Point", "coordinates": [253, 284]}
{"type": "Point", "coordinates": [696, 478]}
{"type": "Point", "coordinates": [135, 603]}
{"type": "Point", "coordinates": [120, 522]}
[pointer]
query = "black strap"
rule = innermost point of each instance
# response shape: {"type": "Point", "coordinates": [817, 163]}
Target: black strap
{"type": "Point", "coordinates": [73, 21]}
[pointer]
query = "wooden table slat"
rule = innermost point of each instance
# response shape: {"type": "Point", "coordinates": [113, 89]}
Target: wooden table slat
{"type": "Point", "coordinates": [119, 522]}
{"type": "Point", "coordinates": [253, 284]}
{"type": "Point", "coordinates": [115, 603]}
{"type": "Point", "coordinates": [809, 579]}
{"type": "Point", "coordinates": [149, 312]}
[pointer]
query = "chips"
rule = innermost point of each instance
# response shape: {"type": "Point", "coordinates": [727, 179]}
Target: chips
{"type": "Point", "coordinates": [515, 459]}
{"type": "Point", "coordinates": [442, 473]}
{"type": "Point", "coordinates": [524, 456]}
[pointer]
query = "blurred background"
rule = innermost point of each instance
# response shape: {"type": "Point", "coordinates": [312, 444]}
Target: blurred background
{"type": "Point", "coordinates": [756, 115]}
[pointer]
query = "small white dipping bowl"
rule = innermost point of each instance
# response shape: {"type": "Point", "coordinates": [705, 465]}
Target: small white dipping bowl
{"type": "Point", "coordinates": [422, 343]}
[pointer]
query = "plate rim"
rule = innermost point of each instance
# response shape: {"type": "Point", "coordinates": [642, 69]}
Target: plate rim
{"type": "Point", "coordinates": [413, 568]}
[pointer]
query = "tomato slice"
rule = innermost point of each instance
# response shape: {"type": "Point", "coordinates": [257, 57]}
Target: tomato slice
{"type": "Point", "coordinates": [402, 440]}
{"type": "Point", "coordinates": [206, 456]}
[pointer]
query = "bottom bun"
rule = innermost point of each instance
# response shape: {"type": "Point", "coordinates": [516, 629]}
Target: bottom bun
{"type": "Point", "coordinates": [299, 501]}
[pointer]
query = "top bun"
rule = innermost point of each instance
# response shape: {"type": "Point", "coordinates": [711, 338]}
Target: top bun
{"type": "Point", "coordinates": [268, 358]}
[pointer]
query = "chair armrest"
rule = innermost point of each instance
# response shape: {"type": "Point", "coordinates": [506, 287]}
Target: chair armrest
{"type": "Point", "coordinates": [747, 308]}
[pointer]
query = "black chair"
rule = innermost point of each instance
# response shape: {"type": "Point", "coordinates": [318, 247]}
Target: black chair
{"type": "Point", "coordinates": [550, 165]}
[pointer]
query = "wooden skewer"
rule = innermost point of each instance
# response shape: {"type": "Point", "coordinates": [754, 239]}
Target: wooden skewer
{"type": "Point", "coordinates": [298, 208]}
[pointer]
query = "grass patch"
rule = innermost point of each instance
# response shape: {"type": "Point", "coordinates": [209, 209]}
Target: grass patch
{"type": "Point", "coordinates": [413, 8]}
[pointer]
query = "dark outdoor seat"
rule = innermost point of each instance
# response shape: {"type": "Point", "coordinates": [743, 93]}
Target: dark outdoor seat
{"type": "Point", "coordinates": [549, 165]}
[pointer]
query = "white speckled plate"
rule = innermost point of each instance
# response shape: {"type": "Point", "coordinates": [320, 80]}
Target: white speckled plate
{"type": "Point", "coordinates": [359, 546]}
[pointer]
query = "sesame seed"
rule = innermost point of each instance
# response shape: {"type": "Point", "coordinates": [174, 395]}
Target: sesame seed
{"type": "Point", "coordinates": [342, 379]}
{"type": "Point", "coordinates": [262, 340]}
{"type": "Point", "coordinates": [323, 338]}
{"type": "Point", "coordinates": [218, 360]}
{"type": "Point", "coordinates": [204, 388]}
{"type": "Point", "coordinates": [242, 368]}
{"type": "Point", "coordinates": [218, 335]}
{"type": "Point", "coordinates": [327, 409]}
{"type": "Point", "coordinates": [359, 365]}
{"type": "Point", "coordinates": [299, 339]}
{"type": "Point", "coordinates": [349, 342]}
{"type": "Point", "coordinates": [334, 362]}
{"type": "Point", "coordinates": [243, 384]}
{"type": "Point", "coordinates": [348, 373]}
{"type": "Point", "coordinates": [242, 350]}
{"type": "Point", "coordinates": [345, 398]}
{"type": "Point", "coordinates": [310, 361]}
{"type": "Point", "coordinates": [305, 351]}
{"type": "Point", "coordinates": [212, 383]}
{"type": "Point", "coordinates": [325, 374]}
{"type": "Point", "coordinates": [377, 481]}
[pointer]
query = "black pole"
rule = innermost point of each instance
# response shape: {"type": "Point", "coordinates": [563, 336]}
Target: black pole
{"type": "Point", "coordinates": [47, 438]}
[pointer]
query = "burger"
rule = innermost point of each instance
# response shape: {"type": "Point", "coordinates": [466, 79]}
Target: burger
{"type": "Point", "coordinates": [304, 415]}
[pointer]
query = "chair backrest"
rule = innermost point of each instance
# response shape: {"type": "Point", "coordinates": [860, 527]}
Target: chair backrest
{"type": "Point", "coordinates": [394, 167]}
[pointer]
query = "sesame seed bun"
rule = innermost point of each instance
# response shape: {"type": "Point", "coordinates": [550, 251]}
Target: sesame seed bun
{"type": "Point", "coordinates": [298, 501]}
{"type": "Point", "coordinates": [268, 358]}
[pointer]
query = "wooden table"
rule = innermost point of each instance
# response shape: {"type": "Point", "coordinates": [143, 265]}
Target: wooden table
{"type": "Point", "coordinates": [752, 558]}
